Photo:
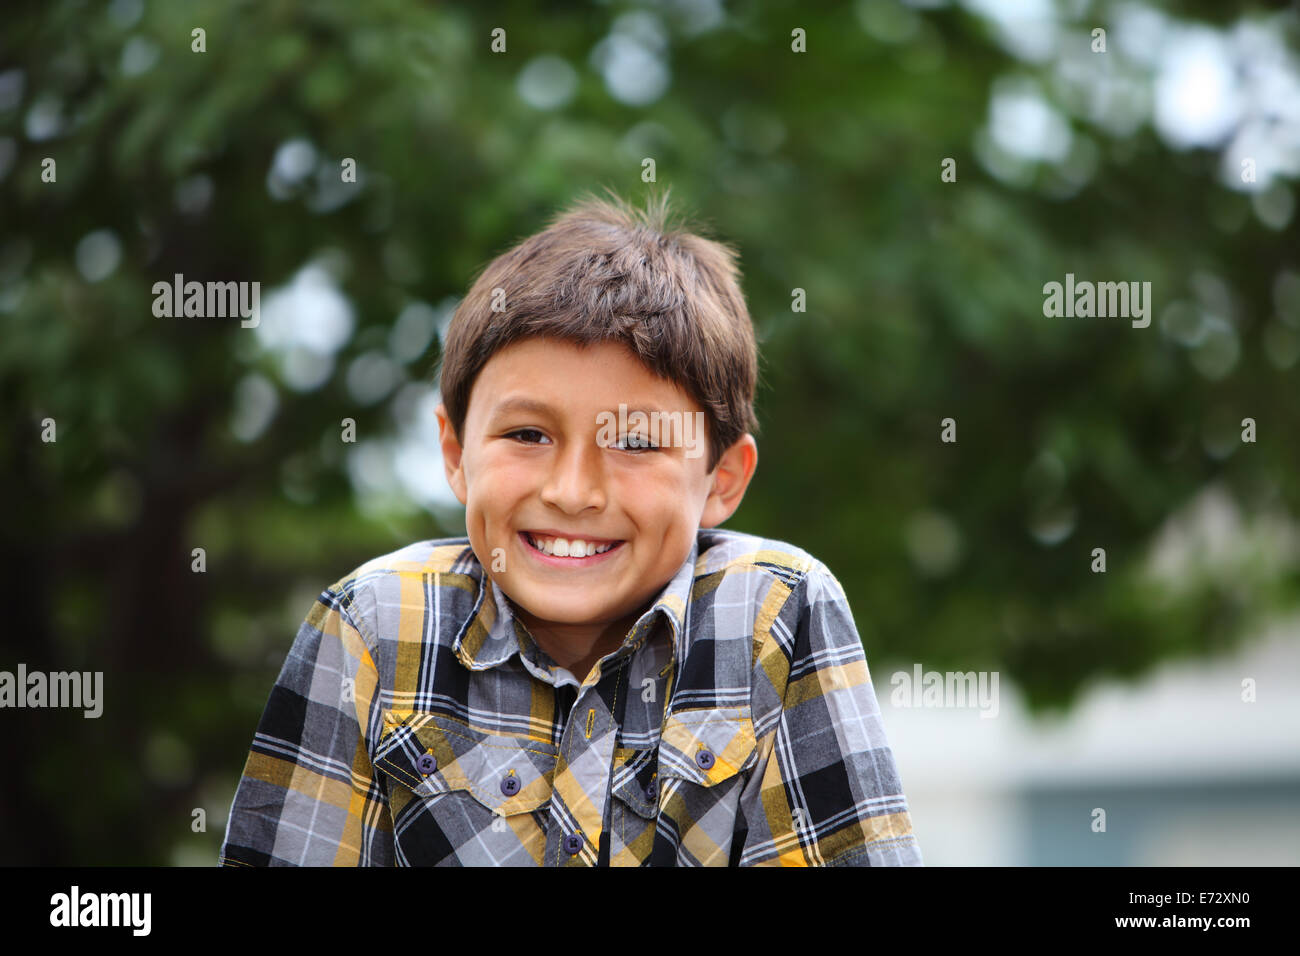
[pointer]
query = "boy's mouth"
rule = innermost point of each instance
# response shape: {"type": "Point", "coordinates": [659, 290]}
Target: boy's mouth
{"type": "Point", "coordinates": [570, 548]}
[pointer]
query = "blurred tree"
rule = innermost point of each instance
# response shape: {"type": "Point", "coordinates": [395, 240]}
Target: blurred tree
{"type": "Point", "coordinates": [924, 302]}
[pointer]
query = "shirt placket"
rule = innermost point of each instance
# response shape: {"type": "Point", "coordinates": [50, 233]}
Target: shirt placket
{"type": "Point", "coordinates": [580, 789]}
{"type": "Point", "coordinates": [582, 777]}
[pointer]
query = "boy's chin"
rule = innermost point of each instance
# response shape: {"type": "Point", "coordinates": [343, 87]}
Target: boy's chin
{"type": "Point", "coordinates": [549, 609]}
{"type": "Point", "coordinates": [565, 614]}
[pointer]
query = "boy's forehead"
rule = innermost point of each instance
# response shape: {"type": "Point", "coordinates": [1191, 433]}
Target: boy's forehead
{"type": "Point", "coordinates": [549, 348]}
{"type": "Point", "coordinates": [552, 376]}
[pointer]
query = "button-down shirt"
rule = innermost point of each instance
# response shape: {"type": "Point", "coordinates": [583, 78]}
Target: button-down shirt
{"type": "Point", "coordinates": [416, 722]}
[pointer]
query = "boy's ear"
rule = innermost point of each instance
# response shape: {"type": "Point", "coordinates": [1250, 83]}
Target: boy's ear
{"type": "Point", "coordinates": [451, 453]}
{"type": "Point", "coordinates": [730, 479]}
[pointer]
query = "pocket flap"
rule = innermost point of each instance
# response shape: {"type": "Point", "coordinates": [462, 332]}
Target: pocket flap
{"type": "Point", "coordinates": [635, 781]}
{"type": "Point", "coordinates": [466, 759]}
{"type": "Point", "coordinates": [725, 736]}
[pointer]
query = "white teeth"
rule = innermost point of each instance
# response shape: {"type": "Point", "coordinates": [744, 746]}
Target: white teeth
{"type": "Point", "coordinates": [565, 548]}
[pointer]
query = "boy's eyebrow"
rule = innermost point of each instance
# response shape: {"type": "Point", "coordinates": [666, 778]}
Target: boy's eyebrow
{"type": "Point", "coordinates": [677, 422]}
{"type": "Point", "coordinates": [522, 404]}
{"type": "Point", "coordinates": [662, 414]}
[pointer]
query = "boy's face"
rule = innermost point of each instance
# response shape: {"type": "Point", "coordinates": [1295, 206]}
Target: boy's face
{"type": "Point", "coordinates": [533, 466]}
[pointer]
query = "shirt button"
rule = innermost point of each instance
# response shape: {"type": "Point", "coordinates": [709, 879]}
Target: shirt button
{"type": "Point", "coordinates": [427, 764]}
{"type": "Point", "coordinates": [705, 759]}
{"type": "Point", "coordinates": [509, 786]}
{"type": "Point", "coordinates": [652, 793]}
{"type": "Point", "coordinates": [573, 843]}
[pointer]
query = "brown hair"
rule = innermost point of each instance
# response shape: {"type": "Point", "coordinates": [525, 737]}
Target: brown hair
{"type": "Point", "coordinates": [603, 271]}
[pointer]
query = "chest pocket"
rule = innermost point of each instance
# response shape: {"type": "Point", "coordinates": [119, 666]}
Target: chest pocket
{"type": "Point", "coordinates": [677, 806]}
{"type": "Point", "coordinates": [462, 796]}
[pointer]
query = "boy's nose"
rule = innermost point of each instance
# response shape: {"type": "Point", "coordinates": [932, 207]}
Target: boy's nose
{"type": "Point", "coordinates": [576, 481]}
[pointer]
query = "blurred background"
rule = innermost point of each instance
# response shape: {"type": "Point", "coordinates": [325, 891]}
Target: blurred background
{"type": "Point", "coordinates": [1164, 690]}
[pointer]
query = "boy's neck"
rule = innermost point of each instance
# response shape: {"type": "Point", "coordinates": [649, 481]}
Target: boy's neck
{"type": "Point", "coordinates": [578, 647]}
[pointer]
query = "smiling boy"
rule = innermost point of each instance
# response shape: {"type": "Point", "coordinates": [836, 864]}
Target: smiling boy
{"type": "Point", "coordinates": [595, 675]}
{"type": "Point", "coordinates": [531, 474]}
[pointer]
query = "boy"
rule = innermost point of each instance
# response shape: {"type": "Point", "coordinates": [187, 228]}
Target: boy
{"type": "Point", "coordinates": [594, 676]}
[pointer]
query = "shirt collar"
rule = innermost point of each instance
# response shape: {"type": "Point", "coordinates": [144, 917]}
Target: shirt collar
{"type": "Point", "coordinates": [489, 637]}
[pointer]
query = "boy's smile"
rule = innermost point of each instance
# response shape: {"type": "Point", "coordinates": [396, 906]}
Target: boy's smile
{"type": "Point", "coordinates": [566, 551]}
{"type": "Point", "coordinates": [581, 534]}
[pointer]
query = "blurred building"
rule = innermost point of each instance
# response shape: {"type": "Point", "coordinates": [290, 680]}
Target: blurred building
{"type": "Point", "coordinates": [1187, 772]}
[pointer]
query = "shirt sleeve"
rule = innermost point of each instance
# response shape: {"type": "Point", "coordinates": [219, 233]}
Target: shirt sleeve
{"type": "Point", "coordinates": [825, 790]}
{"type": "Point", "coordinates": [308, 795]}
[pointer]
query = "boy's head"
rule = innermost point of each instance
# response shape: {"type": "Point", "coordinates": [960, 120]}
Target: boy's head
{"type": "Point", "coordinates": [554, 351]}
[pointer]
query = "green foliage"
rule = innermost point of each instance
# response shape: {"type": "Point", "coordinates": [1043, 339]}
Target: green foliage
{"type": "Point", "coordinates": [924, 302]}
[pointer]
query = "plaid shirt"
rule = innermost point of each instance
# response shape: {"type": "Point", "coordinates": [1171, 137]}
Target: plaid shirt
{"type": "Point", "coordinates": [417, 723]}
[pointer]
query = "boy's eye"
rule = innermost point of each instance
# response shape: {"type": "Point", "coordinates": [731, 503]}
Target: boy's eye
{"type": "Point", "coordinates": [532, 432]}
{"type": "Point", "coordinates": [636, 442]}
